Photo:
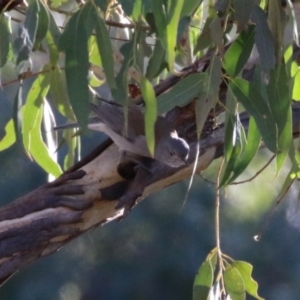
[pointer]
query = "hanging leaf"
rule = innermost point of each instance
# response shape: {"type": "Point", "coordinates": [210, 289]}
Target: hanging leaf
{"type": "Point", "coordinates": [150, 113]}
{"type": "Point", "coordinates": [43, 24]}
{"type": "Point", "coordinates": [263, 39]}
{"type": "Point", "coordinates": [242, 12]}
{"type": "Point", "coordinates": [4, 39]}
{"type": "Point", "coordinates": [239, 52]}
{"type": "Point", "coordinates": [256, 106]}
{"type": "Point", "coordinates": [245, 270]}
{"type": "Point", "coordinates": [31, 124]}
{"type": "Point", "coordinates": [204, 279]}
{"type": "Point", "coordinates": [234, 283]}
{"type": "Point", "coordinates": [173, 17]}
{"type": "Point", "coordinates": [78, 30]}
{"type": "Point", "coordinates": [296, 90]}
{"type": "Point", "coordinates": [156, 61]}
{"type": "Point", "coordinates": [105, 50]}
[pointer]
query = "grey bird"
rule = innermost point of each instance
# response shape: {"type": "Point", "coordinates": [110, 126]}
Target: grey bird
{"type": "Point", "coordinates": [170, 149]}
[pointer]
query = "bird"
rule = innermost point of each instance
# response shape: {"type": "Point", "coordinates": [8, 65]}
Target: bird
{"type": "Point", "coordinates": [130, 137]}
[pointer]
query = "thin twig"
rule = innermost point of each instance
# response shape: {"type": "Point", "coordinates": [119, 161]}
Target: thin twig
{"type": "Point", "coordinates": [256, 174]}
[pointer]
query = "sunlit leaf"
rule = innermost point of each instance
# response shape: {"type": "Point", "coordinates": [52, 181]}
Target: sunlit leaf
{"type": "Point", "coordinates": [58, 90]}
{"type": "Point", "coordinates": [203, 281]}
{"type": "Point", "coordinates": [4, 39]}
{"type": "Point", "coordinates": [9, 137]}
{"type": "Point", "coordinates": [31, 22]}
{"type": "Point", "coordinates": [156, 60]}
{"type": "Point", "coordinates": [234, 283]}
{"type": "Point", "coordinates": [238, 53]}
{"type": "Point", "coordinates": [245, 270]}
{"type": "Point", "coordinates": [71, 141]}
{"type": "Point", "coordinates": [296, 89]}
{"type": "Point", "coordinates": [173, 17]}
{"type": "Point", "coordinates": [150, 113]}
{"type": "Point", "coordinates": [182, 93]}
{"type": "Point", "coordinates": [31, 124]}
{"type": "Point", "coordinates": [263, 39]}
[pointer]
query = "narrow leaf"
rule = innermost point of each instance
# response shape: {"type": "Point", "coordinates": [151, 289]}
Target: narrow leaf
{"type": "Point", "coordinates": [150, 113]}
{"type": "Point", "coordinates": [263, 39]}
{"type": "Point", "coordinates": [156, 60]}
{"type": "Point", "coordinates": [43, 24]}
{"type": "Point", "coordinates": [77, 31]}
{"type": "Point", "coordinates": [296, 89]}
{"type": "Point", "coordinates": [106, 51]}
{"type": "Point", "coordinates": [173, 17]}
{"type": "Point", "coordinates": [242, 12]}
{"type": "Point", "coordinates": [182, 93]}
{"type": "Point", "coordinates": [239, 52]}
{"type": "Point", "coordinates": [256, 106]}
{"type": "Point", "coordinates": [31, 125]}
{"type": "Point", "coordinates": [4, 39]}
{"type": "Point", "coordinates": [9, 137]}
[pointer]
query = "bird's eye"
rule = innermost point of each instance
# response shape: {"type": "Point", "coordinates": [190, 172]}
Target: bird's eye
{"type": "Point", "coordinates": [172, 153]}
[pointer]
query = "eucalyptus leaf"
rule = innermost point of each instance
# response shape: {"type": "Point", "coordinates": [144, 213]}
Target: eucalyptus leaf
{"type": "Point", "coordinates": [256, 106]}
{"type": "Point", "coordinates": [182, 93]}
{"type": "Point", "coordinates": [239, 52]}
{"type": "Point", "coordinates": [242, 12]}
{"type": "Point", "coordinates": [10, 137]}
{"type": "Point", "coordinates": [4, 39]}
{"type": "Point", "coordinates": [150, 113]}
{"type": "Point", "coordinates": [78, 30]}
{"type": "Point", "coordinates": [105, 50]}
{"type": "Point", "coordinates": [263, 39]}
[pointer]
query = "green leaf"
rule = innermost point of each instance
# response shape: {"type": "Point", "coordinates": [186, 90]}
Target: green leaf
{"type": "Point", "coordinates": [189, 7]}
{"type": "Point", "coordinates": [239, 52]}
{"type": "Point", "coordinates": [105, 50]}
{"type": "Point", "coordinates": [4, 39]}
{"type": "Point", "coordinates": [216, 32]}
{"type": "Point", "coordinates": [156, 60]}
{"type": "Point", "coordinates": [31, 22]}
{"type": "Point", "coordinates": [120, 93]}
{"type": "Point", "coordinates": [160, 20]}
{"type": "Point", "coordinates": [276, 20]}
{"type": "Point", "coordinates": [209, 96]}
{"type": "Point", "coordinates": [204, 40]}
{"type": "Point", "coordinates": [296, 90]}
{"type": "Point", "coordinates": [59, 93]}
{"type": "Point", "coordinates": [150, 113]}
{"type": "Point", "coordinates": [242, 12]}
{"type": "Point", "coordinates": [71, 141]}
{"type": "Point", "coordinates": [203, 281]}
{"type": "Point", "coordinates": [173, 17]}
{"type": "Point", "coordinates": [43, 24]}
{"type": "Point", "coordinates": [9, 137]}
{"type": "Point", "coordinates": [234, 283]}
{"type": "Point", "coordinates": [31, 125]}
{"type": "Point", "coordinates": [245, 157]}
{"type": "Point", "coordinates": [280, 104]}
{"type": "Point", "coordinates": [78, 31]}
{"type": "Point", "coordinates": [245, 270]}
{"type": "Point", "coordinates": [256, 106]}
{"type": "Point", "coordinates": [182, 93]}
{"type": "Point", "coordinates": [263, 39]}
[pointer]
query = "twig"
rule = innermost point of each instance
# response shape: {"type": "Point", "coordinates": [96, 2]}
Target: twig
{"type": "Point", "coordinates": [256, 174]}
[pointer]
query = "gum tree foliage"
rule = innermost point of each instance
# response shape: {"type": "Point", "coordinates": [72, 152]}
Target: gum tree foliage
{"type": "Point", "coordinates": [101, 45]}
